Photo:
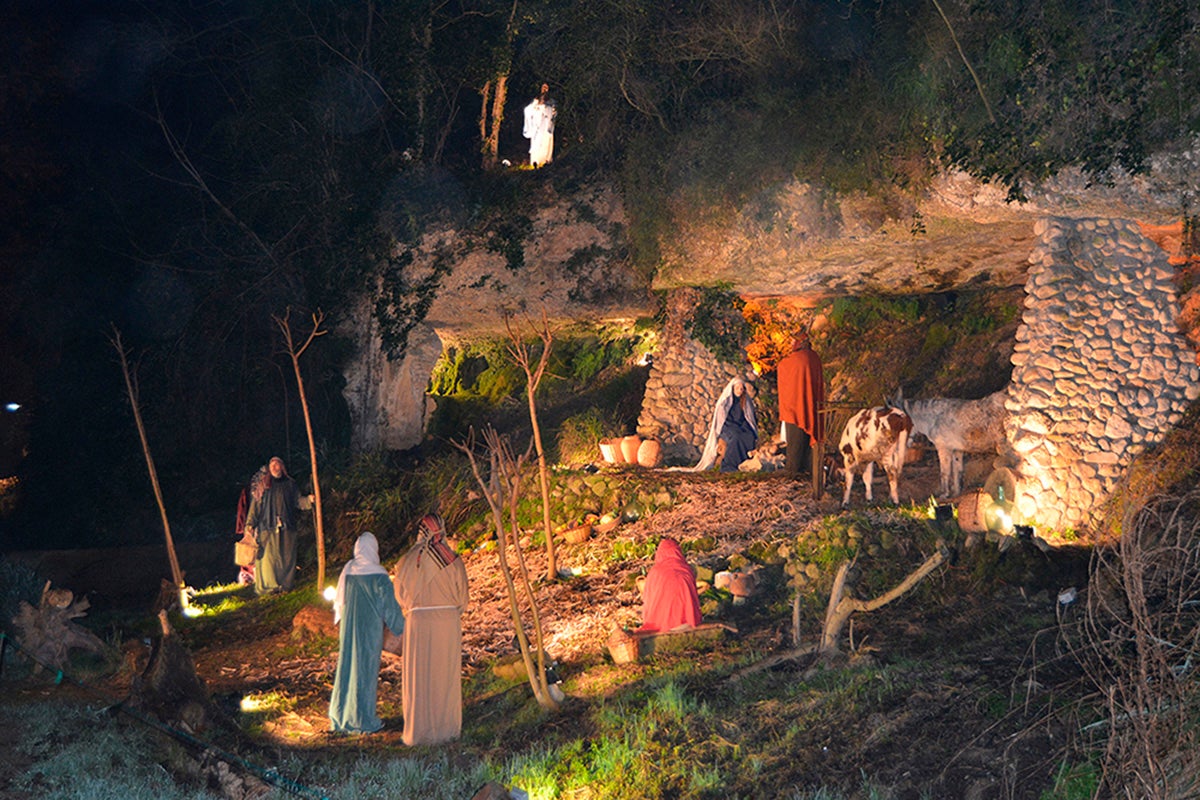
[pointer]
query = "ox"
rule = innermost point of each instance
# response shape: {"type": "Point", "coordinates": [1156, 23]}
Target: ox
{"type": "Point", "coordinates": [956, 427]}
{"type": "Point", "coordinates": [874, 434]}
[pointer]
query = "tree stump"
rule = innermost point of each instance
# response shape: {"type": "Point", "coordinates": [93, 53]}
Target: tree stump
{"type": "Point", "coordinates": [48, 634]}
{"type": "Point", "coordinates": [170, 689]}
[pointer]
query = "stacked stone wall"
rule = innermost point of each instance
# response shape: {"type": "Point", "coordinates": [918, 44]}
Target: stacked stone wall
{"type": "Point", "coordinates": [683, 386]}
{"type": "Point", "coordinates": [1100, 370]}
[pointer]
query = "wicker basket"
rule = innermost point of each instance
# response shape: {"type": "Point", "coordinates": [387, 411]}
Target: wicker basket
{"type": "Point", "coordinates": [602, 528]}
{"type": "Point", "coordinates": [622, 646]}
{"type": "Point", "coordinates": [579, 533]}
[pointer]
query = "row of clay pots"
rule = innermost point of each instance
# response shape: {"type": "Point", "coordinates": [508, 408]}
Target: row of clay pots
{"type": "Point", "coordinates": [631, 449]}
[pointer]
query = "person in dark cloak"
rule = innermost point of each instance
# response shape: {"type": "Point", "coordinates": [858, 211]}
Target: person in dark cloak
{"type": "Point", "coordinates": [273, 520]}
{"type": "Point", "coordinates": [365, 602]}
{"type": "Point", "coordinates": [255, 488]}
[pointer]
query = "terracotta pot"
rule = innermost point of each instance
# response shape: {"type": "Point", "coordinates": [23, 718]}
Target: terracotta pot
{"type": "Point", "coordinates": [629, 448]}
{"type": "Point", "coordinates": [649, 453]}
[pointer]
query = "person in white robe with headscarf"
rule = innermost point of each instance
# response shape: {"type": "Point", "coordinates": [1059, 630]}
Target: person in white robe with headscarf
{"type": "Point", "coordinates": [364, 603]}
{"type": "Point", "coordinates": [431, 586]}
{"type": "Point", "coordinates": [733, 421]}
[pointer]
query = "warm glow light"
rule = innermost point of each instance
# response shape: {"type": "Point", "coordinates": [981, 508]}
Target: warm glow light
{"type": "Point", "coordinates": [251, 703]}
{"type": "Point", "coordinates": [330, 593]}
{"type": "Point", "coordinates": [192, 611]}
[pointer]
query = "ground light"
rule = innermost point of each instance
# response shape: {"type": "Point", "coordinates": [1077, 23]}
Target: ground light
{"type": "Point", "coordinates": [330, 593]}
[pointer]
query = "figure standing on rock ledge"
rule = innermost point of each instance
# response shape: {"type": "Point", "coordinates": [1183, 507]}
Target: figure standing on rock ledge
{"type": "Point", "coordinates": [272, 520]}
{"type": "Point", "coordinates": [539, 128]}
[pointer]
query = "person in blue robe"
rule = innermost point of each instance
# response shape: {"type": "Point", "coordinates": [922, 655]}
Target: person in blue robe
{"type": "Point", "coordinates": [364, 603]}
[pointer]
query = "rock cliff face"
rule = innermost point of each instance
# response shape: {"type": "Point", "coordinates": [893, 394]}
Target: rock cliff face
{"type": "Point", "coordinates": [573, 266]}
{"type": "Point", "coordinates": [801, 241]}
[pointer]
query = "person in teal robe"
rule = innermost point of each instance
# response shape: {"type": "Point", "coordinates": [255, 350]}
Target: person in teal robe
{"type": "Point", "coordinates": [364, 603]}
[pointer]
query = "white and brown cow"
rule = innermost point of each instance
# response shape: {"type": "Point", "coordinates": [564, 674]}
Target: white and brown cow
{"type": "Point", "coordinates": [874, 434]}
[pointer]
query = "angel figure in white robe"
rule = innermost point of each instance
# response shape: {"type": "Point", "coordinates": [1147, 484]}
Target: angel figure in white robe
{"type": "Point", "coordinates": [539, 128]}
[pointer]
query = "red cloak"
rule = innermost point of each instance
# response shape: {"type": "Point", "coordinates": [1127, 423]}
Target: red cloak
{"type": "Point", "coordinates": [669, 598]}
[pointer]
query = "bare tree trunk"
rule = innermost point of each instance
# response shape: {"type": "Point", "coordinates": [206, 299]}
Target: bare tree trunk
{"type": "Point", "coordinates": [502, 489]}
{"type": "Point", "coordinates": [485, 135]}
{"type": "Point", "coordinates": [519, 351]}
{"type": "Point", "coordinates": [294, 352]}
{"type": "Point", "coordinates": [489, 127]}
{"type": "Point", "coordinates": [841, 605]}
{"type": "Point", "coordinates": [131, 390]}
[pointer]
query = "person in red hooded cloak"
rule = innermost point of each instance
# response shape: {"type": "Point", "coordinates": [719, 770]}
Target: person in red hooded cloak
{"type": "Point", "coordinates": [669, 598]}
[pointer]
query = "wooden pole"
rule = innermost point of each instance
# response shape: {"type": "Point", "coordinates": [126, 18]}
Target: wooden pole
{"type": "Point", "coordinates": [131, 391]}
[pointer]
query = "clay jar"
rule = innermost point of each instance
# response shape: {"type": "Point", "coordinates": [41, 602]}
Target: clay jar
{"type": "Point", "coordinates": [610, 451]}
{"type": "Point", "coordinates": [629, 448]}
{"type": "Point", "coordinates": [649, 453]}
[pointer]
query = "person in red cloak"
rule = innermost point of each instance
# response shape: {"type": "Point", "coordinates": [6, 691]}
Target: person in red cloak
{"type": "Point", "coordinates": [801, 388]}
{"type": "Point", "coordinates": [669, 598]}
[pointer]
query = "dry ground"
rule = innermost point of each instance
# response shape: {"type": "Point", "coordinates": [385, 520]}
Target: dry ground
{"type": "Point", "coordinates": [957, 736]}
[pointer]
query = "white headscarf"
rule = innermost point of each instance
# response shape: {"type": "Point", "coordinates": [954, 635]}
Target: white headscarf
{"type": "Point", "coordinates": [365, 562]}
{"type": "Point", "coordinates": [720, 412]}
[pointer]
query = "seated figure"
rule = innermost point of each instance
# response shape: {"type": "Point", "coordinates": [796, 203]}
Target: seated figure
{"type": "Point", "coordinates": [669, 598]}
{"type": "Point", "coordinates": [733, 423]}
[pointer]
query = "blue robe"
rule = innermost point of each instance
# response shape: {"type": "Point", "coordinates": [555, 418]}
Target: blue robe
{"type": "Point", "coordinates": [370, 603]}
{"type": "Point", "coordinates": [740, 437]}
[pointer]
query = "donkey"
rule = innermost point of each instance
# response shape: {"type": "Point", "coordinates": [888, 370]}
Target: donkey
{"type": "Point", "coordinates": [956, 427]}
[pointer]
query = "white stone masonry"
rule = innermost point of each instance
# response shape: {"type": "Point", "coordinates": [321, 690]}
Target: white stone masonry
{"type": "Point", "coordinates": [1100, 371]}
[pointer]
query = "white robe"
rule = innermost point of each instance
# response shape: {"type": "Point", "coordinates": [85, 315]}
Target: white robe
{"type": "Point", "coordinates": [539, 130]}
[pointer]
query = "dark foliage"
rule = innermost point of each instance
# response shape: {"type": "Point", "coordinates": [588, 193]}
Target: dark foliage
{"type": "Point", "coordinates": [187, 170]}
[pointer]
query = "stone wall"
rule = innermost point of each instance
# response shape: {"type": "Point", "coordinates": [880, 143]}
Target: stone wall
{"type": "Point", "coordinates": [1100, 369]}
{"type": "Point", "coordinates": [683, 386]}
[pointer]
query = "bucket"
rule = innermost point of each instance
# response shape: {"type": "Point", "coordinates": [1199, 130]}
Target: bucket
{"type": "Point", "coordinates": [971, 510]}
{"type": "Point", "coordinates": [610, 450]}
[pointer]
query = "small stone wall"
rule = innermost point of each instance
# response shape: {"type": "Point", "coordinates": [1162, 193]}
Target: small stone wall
{"type": "Point", "coordinates": [683, 386]}
{"type": "Point", "coordinates": [1100, 371]}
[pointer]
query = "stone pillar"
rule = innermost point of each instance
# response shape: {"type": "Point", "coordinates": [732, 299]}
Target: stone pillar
{"type": "Point", "coordinates": [1100, 371]}
{"type": "Point", "coordinates": [683, 386]}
